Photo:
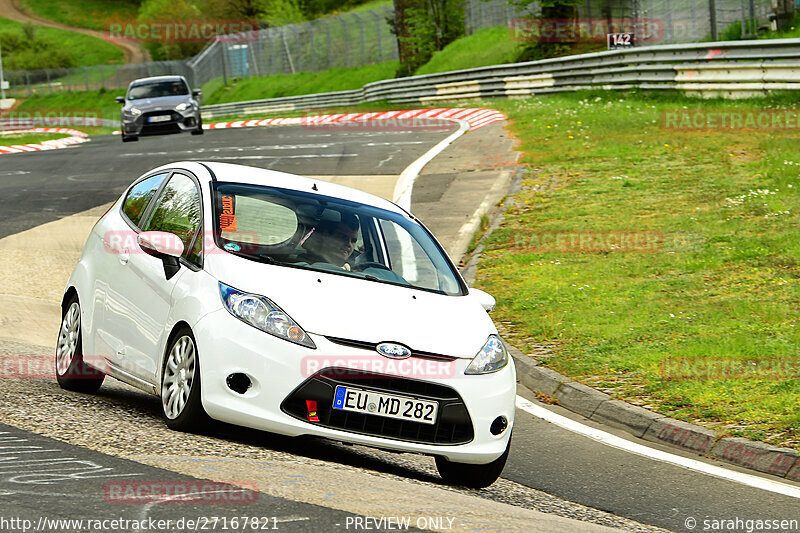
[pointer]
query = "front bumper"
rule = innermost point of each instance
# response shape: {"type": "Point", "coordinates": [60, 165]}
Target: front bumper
{"type": "Point", "coordinates": [277, 370]}
{"type": "Point", "coordinates": [179, 121]}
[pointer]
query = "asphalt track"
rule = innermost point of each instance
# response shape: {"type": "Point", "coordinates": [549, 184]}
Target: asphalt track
{"type": "Point", "coordinates": [46, 186]}
{"type": "Point", "coordinates": [58, 486]}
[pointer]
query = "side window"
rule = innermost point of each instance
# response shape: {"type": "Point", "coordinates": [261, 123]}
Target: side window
{"type": "Point", "coordinates": [177, 210]}
{"type": "Point", "coordinates": [407, 258]}
{"type": "Point", "coordinates": [139, 196]}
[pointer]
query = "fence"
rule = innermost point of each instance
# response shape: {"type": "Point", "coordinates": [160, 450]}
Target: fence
{"type": "Point", "coordinates": [364, 38]}
{"type": "Point", "coordinates": [729, 69]}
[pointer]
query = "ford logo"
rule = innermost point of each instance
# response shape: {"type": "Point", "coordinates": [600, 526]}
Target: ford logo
{"type": "Point", "coordinates": [393, 350]}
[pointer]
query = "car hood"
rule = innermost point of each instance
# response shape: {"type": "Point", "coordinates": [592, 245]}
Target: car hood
{"type": "Point", "coordinates": [362, 310]}
{"type": "Point", "coordinates": [158, 104]}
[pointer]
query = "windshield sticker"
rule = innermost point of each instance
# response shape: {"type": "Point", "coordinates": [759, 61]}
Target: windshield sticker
{"type": "Point", "coordinates": [227, 220]}
{"type": "Point", "coordinates": [232, 247]}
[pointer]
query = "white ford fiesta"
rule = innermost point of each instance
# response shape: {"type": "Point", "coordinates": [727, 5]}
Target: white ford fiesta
{"type": "Point", "coordinates": [290, 305]}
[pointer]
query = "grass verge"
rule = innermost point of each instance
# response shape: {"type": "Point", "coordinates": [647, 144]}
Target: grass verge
{"type": "Point", "coordinates": [663, 263]}
{"type": "Point", "coordinates": [29, 138]}
{"type": "Point", "coordinates": [338, 79]}
{"type": "Point", "coordinates": [99, 103]}
{"type": "Point", "coordinates": [489, 46]}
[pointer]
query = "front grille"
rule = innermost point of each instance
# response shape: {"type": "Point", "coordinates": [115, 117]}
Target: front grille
{"type": "Point", "coordinates": [363, 345]}
{"type": "Point", "coordinates": [453, 424]}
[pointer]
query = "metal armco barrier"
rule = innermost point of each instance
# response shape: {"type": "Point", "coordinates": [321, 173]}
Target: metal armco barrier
{"type": "Point", "coordinates": [733, 69]}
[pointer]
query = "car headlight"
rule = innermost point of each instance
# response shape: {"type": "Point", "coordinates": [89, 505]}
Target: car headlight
{"type": "Point", "coordinates": [262, 313]}
{"type": "Point", "coordinates": [491, 358]}
{"type": "Point", "coordinates": [135, 111]}
{"type": "Point", "coordinates": [183, 106]}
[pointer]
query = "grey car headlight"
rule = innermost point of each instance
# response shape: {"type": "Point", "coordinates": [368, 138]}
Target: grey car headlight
{"type": "Point", "coordinates": [135, 111]}
{"type": "Point", "coordinates": [183, 106]}
{"type": "Point", "coordinates": [262, 313]}
{"type": "Point", "coordinates": [491, 358]}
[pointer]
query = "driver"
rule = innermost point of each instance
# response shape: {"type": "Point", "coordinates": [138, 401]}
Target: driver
{"type": "Point", "coordinates": [331, 242]}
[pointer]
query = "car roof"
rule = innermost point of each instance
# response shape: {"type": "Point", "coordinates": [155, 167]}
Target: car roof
{"type": "Point", "coordinates": [232, 173]}
{"type": "Point", "coordinates": [155, 79]}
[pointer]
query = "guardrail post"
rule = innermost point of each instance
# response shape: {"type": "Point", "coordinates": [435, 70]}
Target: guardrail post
{"type": "Point", "coordinates": [47, 75]}
{"type": "Point", "coordinates": [28, 83]}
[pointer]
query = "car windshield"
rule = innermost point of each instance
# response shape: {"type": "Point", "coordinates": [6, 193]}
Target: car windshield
{"type": "Point", "coordinates": [310, 231]}
{"type": "Point", "coordinates": [158, 89]}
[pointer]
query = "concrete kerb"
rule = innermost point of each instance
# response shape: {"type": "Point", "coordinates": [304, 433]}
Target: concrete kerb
{"type": "Point", "coordinates": [638, 421]}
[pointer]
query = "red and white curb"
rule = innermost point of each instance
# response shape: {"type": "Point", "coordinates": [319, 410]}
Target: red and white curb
{"type": "Point", "coordinates": [475, 117]}
{"type": "Point", "coordinates": [76, 137]}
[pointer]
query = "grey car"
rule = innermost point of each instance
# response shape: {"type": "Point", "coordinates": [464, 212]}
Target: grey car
{"type": "Point", "coordinates": [160, 105]}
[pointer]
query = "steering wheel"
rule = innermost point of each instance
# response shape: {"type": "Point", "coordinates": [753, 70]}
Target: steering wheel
{"type": "Point", "coordinates": [370, 264]}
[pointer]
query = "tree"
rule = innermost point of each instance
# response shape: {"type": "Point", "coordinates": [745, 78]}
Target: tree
{"type": "Point", "coordinates": [423, 27]}
{"type": "Point", "coordinates": [552, 10]}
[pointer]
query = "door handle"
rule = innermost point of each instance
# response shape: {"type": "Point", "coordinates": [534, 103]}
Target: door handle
{"type": "Point", "coordinates": [124, 256]}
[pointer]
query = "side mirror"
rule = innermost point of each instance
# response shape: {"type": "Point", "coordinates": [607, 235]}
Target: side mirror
{"type": "Point", "coordinates": [486, 300]}
{"type": "Point", "coordinates": [120, 99]}
{"type": "Point", "coordinates": [165, 246]}
{"type": "Point", "coordinates": [197, 93]}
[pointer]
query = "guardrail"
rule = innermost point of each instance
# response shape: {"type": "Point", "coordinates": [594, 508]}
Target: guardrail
{"type": "Point", "coordinates": [728, 69]}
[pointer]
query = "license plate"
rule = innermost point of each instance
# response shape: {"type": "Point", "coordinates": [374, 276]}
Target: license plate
{"type": "Point", "coordinates": [388, 405]}
{"type": "Point", "coordinates": [159, 118]}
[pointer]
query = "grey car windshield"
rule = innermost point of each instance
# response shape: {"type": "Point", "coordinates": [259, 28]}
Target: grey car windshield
{"type": "Point", "coordinates": [322, 233]}
{"type": "Point", "coordinates": [158, 90]}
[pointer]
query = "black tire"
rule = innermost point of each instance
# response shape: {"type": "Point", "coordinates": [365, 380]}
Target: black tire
{"type": "Point", "coordinates": [186, 413]}
{"type": "Point", "coordinates": [199, 130]}
{"type": "Point", "coordinates": [71, 371]}
{"type": "Point", "coordinates": [469, 475]}
{"type": "Point", "coordinates": [129, 138]}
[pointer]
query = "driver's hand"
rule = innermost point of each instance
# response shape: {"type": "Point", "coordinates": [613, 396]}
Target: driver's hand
{"type": "Point", "coordinates": [346, 266]}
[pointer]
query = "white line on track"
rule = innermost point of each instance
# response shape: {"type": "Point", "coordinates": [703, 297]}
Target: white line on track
{"type": "Point", "coordinates": [639, 449]}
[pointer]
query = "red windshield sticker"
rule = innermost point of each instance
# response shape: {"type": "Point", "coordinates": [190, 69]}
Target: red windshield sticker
{"type": "Point", "coordinates": [227, 220]}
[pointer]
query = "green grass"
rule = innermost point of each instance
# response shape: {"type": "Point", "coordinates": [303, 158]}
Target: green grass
{"type": "Point", "coordinates": [366, 6]}
{"type": "Point", "coordinates": [719, 282]}
{"type": "Point", "coordinates": [84, 50]}
{"type": "Point", "coordinates": [29, 138]}
{"type": "Point", "coordinates": [339, 79]}
{"type": "Point", "coordinates": [99, 103]}
{"type": "Point", "coordinates": [489, 46]}
{"type": "Point", "coordinates": [92, 14]}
